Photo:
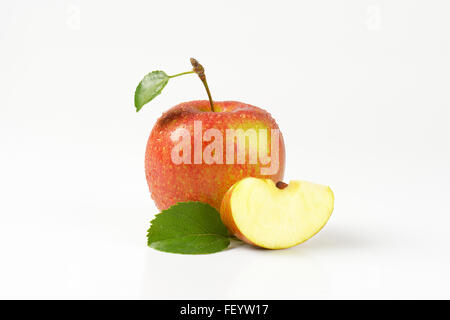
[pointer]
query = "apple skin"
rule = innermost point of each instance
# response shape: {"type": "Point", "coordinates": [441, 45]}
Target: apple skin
{"type": "Point", "coordinates": [227, 217]}
{"type": "Point", "coordinates": [170, 183]}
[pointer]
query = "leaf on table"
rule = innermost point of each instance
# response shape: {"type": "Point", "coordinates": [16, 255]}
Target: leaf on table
{"type": "Point", "coordinates": [189, 228]}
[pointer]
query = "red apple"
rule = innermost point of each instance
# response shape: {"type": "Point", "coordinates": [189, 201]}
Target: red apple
{"type": "Point", "coordinates": [206, 171]}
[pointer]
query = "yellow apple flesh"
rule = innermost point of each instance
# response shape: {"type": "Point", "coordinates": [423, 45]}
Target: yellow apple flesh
{"type": "Point", "coordinates": [276, 216]}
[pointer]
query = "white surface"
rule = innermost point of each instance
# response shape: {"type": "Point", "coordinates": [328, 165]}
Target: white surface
{"type": "Point", "coordinates": [360, 90]}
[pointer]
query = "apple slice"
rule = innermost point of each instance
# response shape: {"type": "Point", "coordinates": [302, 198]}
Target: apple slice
{"type": "Point", "coordinates": [276, 216]}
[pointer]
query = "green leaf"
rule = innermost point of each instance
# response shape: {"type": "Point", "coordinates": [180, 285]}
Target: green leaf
{"type": "Point", "coordinates": [189, 228]}
{"type": "Point", "coordinates": [149, 88]}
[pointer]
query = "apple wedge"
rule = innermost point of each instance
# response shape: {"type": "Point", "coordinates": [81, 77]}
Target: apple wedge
{"type": "Point", "coordinates": [276, 216]}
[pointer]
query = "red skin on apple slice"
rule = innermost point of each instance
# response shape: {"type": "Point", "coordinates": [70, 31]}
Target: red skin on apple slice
{"type": "Point", "coordinates": [170, 183]}
{"type": "Point", "coordinates": [227, 217]}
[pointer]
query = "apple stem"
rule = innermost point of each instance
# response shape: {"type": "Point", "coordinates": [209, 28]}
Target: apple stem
{"type": "Point", "coordinates": [200, 71]}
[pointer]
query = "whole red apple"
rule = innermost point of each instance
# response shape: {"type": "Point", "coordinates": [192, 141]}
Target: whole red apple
{"type": "Point", "coordinates": [192, 154]}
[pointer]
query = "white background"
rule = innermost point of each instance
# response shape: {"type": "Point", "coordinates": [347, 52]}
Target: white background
{"type": "Point", "coordinates": [360, 90]}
